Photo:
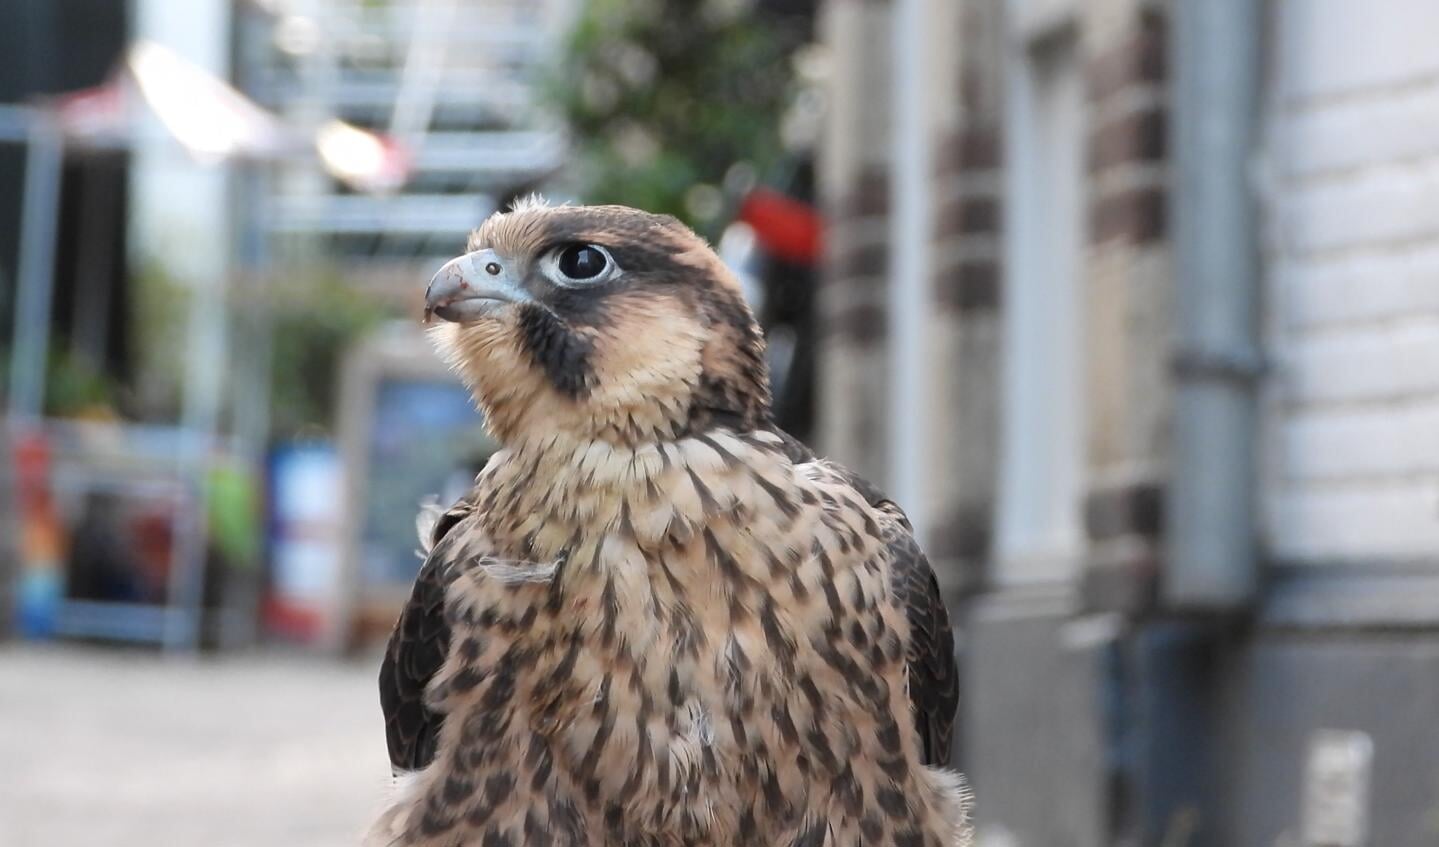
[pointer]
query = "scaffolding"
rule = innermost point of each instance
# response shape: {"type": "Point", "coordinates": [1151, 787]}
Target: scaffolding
{"type": "Point", "coordinates": [458, 83]}
{"type": "Point", "coordinates": [386, 142]}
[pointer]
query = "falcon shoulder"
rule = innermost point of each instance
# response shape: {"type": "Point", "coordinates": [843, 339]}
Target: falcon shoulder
{"type": "Point", "coordinates": [929, 655]}
{"type": "Point", "coordinates": [933, 676]}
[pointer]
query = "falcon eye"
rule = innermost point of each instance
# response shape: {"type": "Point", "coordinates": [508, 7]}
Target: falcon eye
{"type": "Point", "coordinates": [582, 262]}
{"type": "Point", "coordinates": [578, 265]}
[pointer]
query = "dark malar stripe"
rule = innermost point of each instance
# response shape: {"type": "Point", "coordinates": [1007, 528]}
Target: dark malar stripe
{"type": "Point", "coordinates": [563, 356]}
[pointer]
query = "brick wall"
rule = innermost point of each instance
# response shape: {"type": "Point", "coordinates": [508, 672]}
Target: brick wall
{"type": "Point", "coordinates": [1128, 299]}
{"type": "Point", "coordinates": [964, 331]}
{"type": "Point", "coordinates": [854, 192]}
{"type": "Point", "coordinates": [962, 334]}
{"type": "Point", "coordinates": [1351, 182]}
{"type": "Point", "coordinates": [1127, 275]}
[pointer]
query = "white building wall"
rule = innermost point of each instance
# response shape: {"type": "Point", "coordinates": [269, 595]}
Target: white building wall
{"type": "Point", "coordinates": [1350, 178]}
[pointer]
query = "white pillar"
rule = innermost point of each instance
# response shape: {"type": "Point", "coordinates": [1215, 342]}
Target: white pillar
{"type": "Point", "coordinates": [179, 209]}
{"type": "Point", "coordinates": [180, 223]}
{"type": "Point", "coordinates": [910, 263]}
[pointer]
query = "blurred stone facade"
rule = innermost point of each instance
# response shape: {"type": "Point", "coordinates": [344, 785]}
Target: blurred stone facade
{"type": "Point", "coordinates": [1092, 714]}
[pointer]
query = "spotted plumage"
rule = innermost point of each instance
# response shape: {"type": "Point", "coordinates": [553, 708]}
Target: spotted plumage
{"type": "Point", "coordinates": [655, 620]}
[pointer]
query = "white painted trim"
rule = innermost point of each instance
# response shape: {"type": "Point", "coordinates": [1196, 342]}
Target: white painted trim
{"type": "Point", "coordinates": [1039, 533]}
{"type": "Point", "coordinates": [910, 261]}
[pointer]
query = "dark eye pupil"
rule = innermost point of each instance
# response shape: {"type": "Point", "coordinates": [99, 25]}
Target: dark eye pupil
{"type": "Point", "coordinates": [582, 262]}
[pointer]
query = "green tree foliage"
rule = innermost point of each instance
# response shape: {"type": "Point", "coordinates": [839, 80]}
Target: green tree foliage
{"type": "Point", "coordinates": [315, 322]}
{"type": "Point", "coordinates": [310, 317]}
{"type": "Point", "coordinates": [663, 97]}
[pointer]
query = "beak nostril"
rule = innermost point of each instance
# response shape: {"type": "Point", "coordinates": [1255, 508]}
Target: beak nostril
{"type": "Point", "coordinates": [460, 293]}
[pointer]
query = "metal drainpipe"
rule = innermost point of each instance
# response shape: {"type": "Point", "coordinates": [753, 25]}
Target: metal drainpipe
{"type": "Point", "coordinates": [910, 194]}
{"type": "Point", "coordinates": [1211, 535]}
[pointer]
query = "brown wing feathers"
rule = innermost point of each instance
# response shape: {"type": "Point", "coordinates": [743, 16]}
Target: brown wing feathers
{"type": "Point", "coordinates": [417, 650]}
{"type": "Point", "coordinates": [933, 677]}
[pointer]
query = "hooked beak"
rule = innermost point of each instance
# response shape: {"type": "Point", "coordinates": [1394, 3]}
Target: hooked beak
{"type": "Point", "coordinates": [472, 286]}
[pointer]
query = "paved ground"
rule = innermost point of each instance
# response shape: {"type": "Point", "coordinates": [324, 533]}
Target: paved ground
{"type": "Point", "coordinates": [99, 747]}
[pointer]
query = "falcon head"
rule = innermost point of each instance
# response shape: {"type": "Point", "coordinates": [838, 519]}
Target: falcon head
{"type": "Point", "coordinates": [598, 322]}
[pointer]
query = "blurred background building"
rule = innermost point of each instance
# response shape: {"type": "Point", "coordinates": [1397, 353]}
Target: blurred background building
{"type": "Point", "coordinates": [1175, 398]}
{"type": "Point", "coordinates": [1133, 304]}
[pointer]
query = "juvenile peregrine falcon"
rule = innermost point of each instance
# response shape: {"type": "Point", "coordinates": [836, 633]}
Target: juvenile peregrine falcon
{"type": "Point", "coordinates": [655, 620]}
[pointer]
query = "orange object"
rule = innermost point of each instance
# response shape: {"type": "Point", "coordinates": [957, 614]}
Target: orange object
{"type": "Point", "coordinates": [41, 536]}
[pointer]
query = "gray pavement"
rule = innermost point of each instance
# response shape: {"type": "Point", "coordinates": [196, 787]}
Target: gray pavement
{"type": "Point", "coordinates": [106, 748]}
